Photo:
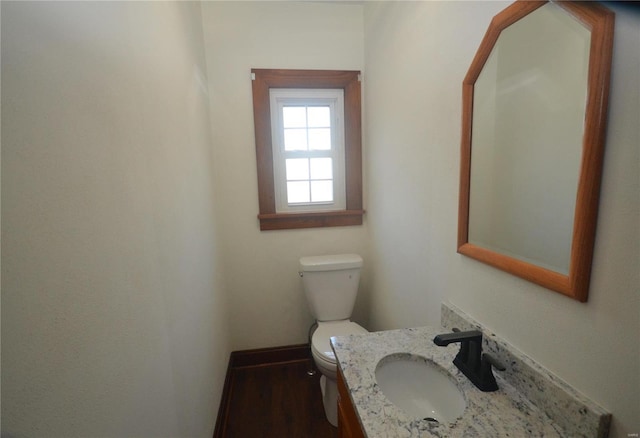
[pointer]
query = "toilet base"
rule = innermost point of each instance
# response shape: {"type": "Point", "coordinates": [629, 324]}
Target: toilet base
{"type": "Point", "coordinates": [329, 390]}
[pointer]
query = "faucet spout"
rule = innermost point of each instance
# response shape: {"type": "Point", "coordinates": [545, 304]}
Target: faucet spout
{"type": "Point", "coordinates": [445, 339]}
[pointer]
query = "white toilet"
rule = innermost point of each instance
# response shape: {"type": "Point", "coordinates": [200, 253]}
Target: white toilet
{"type": "Point", "coordinates": [330, 285]}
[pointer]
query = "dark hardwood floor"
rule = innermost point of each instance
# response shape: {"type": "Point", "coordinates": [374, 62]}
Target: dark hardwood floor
{"type": "Point", "coordinates": [276, 400]}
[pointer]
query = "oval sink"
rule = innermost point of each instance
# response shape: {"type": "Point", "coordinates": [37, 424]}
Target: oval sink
{"type": "Point", "coordinates": [421, 388]}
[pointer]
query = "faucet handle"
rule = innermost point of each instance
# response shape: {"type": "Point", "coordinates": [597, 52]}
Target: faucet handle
{"type": "Point", "coordinates": [487, 381]}
{"type": "Point", "coordinates": [489, 360]}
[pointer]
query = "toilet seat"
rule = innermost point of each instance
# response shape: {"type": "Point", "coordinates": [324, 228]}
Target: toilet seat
{"type": "Point", "coordinates": [320, 341]}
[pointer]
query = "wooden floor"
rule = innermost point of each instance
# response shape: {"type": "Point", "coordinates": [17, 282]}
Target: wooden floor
{"type": "Point", "coordinates": [276, 400]}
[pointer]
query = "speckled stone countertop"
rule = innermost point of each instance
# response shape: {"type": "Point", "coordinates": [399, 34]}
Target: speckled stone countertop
{"type": "Point", "coordinates": [508, 412]}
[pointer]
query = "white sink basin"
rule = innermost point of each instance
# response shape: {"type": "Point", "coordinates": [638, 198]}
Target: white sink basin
{"type": "Point", "coordinates": [419, 387]}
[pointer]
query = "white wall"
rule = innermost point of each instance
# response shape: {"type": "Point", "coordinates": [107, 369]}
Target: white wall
{"type": "Point", "coordinates": [266, 302]}
{"type": "Point", "coordinates": [113, 312]}
{"type": "Point", "coordinates": [417, 54]}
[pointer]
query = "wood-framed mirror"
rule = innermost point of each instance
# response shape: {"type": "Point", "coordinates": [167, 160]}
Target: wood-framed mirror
{"type": "Point", "coordinates": [533, 130]}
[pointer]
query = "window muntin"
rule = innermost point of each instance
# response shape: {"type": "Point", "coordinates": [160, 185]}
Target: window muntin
{"type": "Point", "coordinates": [308, 149]}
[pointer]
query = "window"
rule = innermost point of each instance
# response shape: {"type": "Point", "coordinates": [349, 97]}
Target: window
{"type": "Point", "coordinates": [308, 148]}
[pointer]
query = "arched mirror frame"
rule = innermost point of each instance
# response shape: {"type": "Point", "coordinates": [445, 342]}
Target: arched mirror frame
{"type": "Point", "coordinates": [600, 21]}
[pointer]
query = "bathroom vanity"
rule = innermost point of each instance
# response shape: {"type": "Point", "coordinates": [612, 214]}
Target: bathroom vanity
{"type": "Point", "coordinates": [530, 401]}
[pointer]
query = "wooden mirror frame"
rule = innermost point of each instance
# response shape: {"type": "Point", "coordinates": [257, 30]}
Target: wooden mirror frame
{"type": "Point", "coordinates": [600, 21]}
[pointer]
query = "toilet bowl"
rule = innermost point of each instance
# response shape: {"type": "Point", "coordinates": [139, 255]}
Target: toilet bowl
{"type": "Point", "coordinates": [325, 361]}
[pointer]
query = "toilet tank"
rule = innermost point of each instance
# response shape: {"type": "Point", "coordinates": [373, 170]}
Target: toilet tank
{"type": "Point", "coordinates": [331, 285]}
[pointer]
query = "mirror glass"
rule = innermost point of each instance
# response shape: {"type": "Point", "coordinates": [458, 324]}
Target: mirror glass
{"type": "Point", "coordinates": [528, 121]}
{"type": "Point", "coordinates": [534, 112]}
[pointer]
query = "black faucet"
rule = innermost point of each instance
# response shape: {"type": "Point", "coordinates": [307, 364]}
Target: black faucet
{"type": "Point", "coordinates": [470, 360]}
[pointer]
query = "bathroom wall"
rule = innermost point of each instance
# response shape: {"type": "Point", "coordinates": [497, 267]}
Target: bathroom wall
{"type": "Point", "coordinates": [113, 306]}
{"type": "Point", "coordinates": [267, 306]}
{"type": "Point", "coordinates": [416, 55]}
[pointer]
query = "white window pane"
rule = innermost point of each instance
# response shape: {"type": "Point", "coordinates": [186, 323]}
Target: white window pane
{"type": "Point", "coordinates": [321, 168]}
{"type": "Point", "coordinates": [294, 116]}
{"type": "Point", "coordinates": [297, 192]}
{"type": "Point", "coordinates": [321, 191]}
{"type": "Point", "coordinates": [319, 116]}
{"type": "Point", "coordinates": [320, 139]}
{"type": "Point", "coordinates": [295, 139]}
{"type": "Point", "coordinates": [297, 168]}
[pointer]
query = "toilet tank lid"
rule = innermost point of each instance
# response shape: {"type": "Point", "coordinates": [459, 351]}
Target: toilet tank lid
{"type": "Point", "coordinates": [330, 262]}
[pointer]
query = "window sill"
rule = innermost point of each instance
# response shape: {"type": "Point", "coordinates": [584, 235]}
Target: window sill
{"type": "Point", "coordinates": [283, 221]}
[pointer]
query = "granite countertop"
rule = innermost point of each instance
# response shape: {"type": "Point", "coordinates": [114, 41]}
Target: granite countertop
{"type": "Point", "coordinates": [531, 401]}
{"type": "Point", "coordinates": [497, 414]}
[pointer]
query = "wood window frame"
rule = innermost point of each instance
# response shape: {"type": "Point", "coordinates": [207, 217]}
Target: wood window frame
{"type": "Point", "coordinates": [349, 82]}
